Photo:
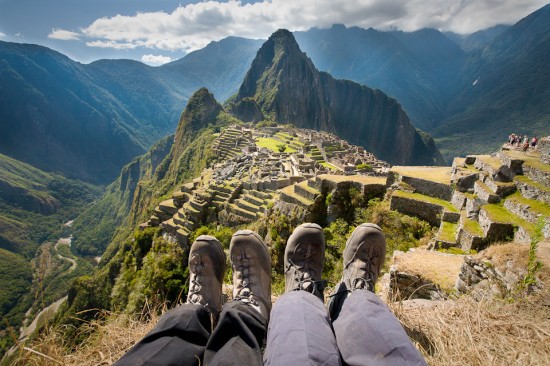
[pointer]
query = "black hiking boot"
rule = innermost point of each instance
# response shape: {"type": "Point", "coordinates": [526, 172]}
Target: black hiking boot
{"type": "Point", "coordinates": [206, 271]}
{"type": "Point", "coordinates": [251, 265]}
{"type": "Point", "coordinates": [304, 259]}
{"type": "Point", "coordinates": [364, 256]}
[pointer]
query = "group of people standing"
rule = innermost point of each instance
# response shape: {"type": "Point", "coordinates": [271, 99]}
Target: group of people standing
{"type": "Point", "coordinates": [522, 141]}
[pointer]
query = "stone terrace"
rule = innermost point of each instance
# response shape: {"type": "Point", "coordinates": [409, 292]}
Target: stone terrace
{"type": "Point", "coordinates": [481, 199]}
{"type": "Point", "coordinates": [246, 177]}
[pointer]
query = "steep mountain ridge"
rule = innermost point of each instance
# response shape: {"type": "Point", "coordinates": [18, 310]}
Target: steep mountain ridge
{"type": "Point", "coordinates": [416, 68]}
{"type": "Point", "coordinates": [505, 89]}
{"type": "Point", "coordinates": [288, 89]}
{"type": "Point", "coordinates": [87, 121]}
{"type": "Point", "coordinates": [54, 117]}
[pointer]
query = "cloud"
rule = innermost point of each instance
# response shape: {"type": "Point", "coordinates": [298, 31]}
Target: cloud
{"type": "Point", "coordinates": [2, 35]}
{"type": "Point", "coordinates": [63, 35]}
{"type": "Point", "coordinates": [112, 44]}
{"type": "Point", "coordinates": [193, 26]}
{"type": "Point", "coordinates": [155, 59]}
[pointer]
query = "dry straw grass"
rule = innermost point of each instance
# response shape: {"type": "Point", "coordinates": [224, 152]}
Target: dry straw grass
{"type": "Point", "coordinates": [466, 332]}
{"type": "Point", "coordinates": [462, 332]}
{"type": "Point", "coordinates": [109, 338]}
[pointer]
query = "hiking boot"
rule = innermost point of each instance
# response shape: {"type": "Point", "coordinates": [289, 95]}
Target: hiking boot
{"type": "Point", "coordinates": [206, 271]}
{"type": "Point", "coordinates": [304, 259]}
{"type": "Point", "coordinates": [251, 265]}
{"type": "Point", "coordinates": [364, 256]}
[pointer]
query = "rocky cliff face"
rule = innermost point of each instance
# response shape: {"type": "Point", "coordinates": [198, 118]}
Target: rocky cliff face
{"type": "Point", "coordinates": [289, 89]}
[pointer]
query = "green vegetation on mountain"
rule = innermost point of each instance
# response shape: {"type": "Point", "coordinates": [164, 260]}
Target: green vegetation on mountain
{"type": "Point", "coordinates": [15, 276]}
{"type": "Point", "coordinates": [417, 68]}
{"type": "Point", "coordinates": [34, 205]}
{"type": "Point", "coordinates": [95, 227]}
{"type": "Point", "coordinates": [505, 90]}
{"type": "Point", "coordinates": [87, 121]}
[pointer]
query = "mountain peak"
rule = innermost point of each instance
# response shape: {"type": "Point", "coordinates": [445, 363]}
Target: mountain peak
{"type": "Point", "coordinates": [283, 85]}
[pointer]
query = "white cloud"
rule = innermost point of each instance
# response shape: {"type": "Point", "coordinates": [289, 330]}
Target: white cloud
{"type": "Point", "coordinates": [2, 35]}
{"type": "Point", "coordinates": [193, 26]}
{"type": "Point", "coordinates": [63, 35]}
{"type": "Point", "coordinates": [155, 60]}
{"type": "Point", "coordinates": [112, 44]}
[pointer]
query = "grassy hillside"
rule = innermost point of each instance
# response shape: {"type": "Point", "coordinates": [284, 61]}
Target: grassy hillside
{"type": "Point", "coordinates": [34, 205]}
{"type": "Point", "coordinates": [95, 227]}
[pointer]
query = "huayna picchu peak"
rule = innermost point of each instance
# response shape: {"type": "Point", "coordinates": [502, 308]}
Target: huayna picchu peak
{"type": "Point", "coordinates": [287, 88]}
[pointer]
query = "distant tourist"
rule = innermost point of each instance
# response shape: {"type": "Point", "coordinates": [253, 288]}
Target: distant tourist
{"type": "Point", "coordinates": [534, 142]}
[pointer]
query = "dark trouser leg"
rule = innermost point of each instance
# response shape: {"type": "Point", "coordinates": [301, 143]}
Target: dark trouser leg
{"type": "Point", "coordinates": [368, 333]}
{"type": "Point", "coordinates": [179, 338]}
{"type": "Point", "coordinates": [300, 332]}
{"type": "Point", "coordinates": [238, 338]}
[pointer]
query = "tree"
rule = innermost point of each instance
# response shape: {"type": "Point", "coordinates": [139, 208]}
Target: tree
{"type": "Point", "coordinates": [281, 147]}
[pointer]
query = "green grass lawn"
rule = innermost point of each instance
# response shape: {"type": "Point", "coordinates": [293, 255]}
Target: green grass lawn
{"type": "Point", "coordinates": [537, 206]}
{"type": "Point", "coordinates": [497, 213]}
{"type": "Point", "coordinates": [271, 144]}
{"type": "Point", "coordinates": [447, 232]}
{"type": "Point", "coordinates": [329, 166]}
{"type": "Point", "coordinates": [434, 174]}
{"type": "Point", "coordinates": [524, 179]}
{"type": "Point", "coordinates": [472, 226]}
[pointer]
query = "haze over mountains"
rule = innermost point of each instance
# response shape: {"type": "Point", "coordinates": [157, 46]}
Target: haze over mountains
{"type": "Point", "coordinates": [86, 121]}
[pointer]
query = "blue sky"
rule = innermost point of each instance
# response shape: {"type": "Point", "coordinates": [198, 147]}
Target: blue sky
{"type": "Point", "coordinates": [158, 31]}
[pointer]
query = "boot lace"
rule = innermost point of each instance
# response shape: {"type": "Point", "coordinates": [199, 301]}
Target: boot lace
{"type": "Point", "coordinates": [302, 278]}
{"type": "Point", "coordinates": [242, 267]}
{"type": "Point", "coordinates": [365, 282]}
{"type": "Point", "coordinates": [194, 295]}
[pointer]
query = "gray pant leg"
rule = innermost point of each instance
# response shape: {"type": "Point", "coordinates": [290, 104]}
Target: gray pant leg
{"type": "Point", "coordinates": [368, 333]}
{"type": "Point", "coordinates": [300, 333]}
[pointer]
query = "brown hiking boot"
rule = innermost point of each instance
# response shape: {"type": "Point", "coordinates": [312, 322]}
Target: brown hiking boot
{"type": "Point", "coordinates": [364, 256]}
{"type": "Point", "coordinates": [251, 265]}
{"type": "Point", "coordinates": [206, 271]}
{"type": "Point", "coordinates": [304, 259]}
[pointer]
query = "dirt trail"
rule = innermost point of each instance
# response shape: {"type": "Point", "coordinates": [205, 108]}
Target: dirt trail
{"type": "Point", "coordinates": [46, 313]}
{"type": "Point", "coordinates": [65, 241]}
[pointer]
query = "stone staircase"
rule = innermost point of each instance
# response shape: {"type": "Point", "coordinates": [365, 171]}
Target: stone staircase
{"type": "Point", "coordinates": [230, 143]}
{"type": "Point", "coordinates": [251, 204]}
{"type": "Point", "coordinates": [301, 194]}
{"type": "Point", "coordinates": [289, 140]}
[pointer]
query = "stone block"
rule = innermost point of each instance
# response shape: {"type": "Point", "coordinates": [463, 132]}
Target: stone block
{"type": "Point", "coordinates": [533, 191]}
{"type": "Point", "coordinates": [515, 165]}
{"type": "Point", "coordinates": [449, 216]}
{"type": "Point", "coordinates": [470, 159]}
{"type": "Point", "coordinates": [494, 231]}
{"type": "Point", "coordinates": [484, 193]}
{"type": "Point", "coordinates": [429, 188]}
{"type": "Point", "coordinates": [537, 175]}
{"type": "Point", "coordinates": [464, 180]}
{"type": "Point", "coordinates": [501, 189]}
{"type": "Point", "coordinates": [469, 241]}
{"type": "Point", "coordinates": [458, 200]}
{"type": "Point", "coordinates": [427, 211]}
